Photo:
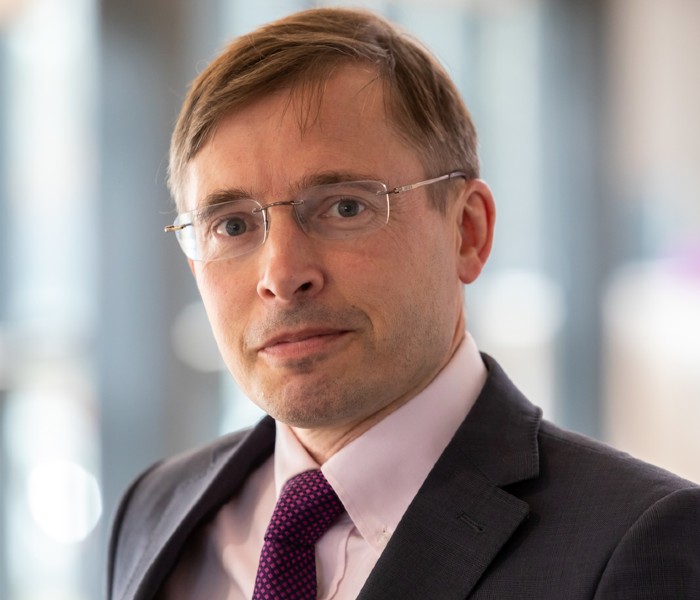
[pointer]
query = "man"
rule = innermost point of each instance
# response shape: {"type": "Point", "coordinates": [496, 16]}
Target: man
{"type": "Point", "coordinates": [325, 173]}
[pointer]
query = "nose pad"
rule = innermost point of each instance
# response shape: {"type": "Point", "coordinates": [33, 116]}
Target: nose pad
{"type": "Point", "coordinates": [298, 216]}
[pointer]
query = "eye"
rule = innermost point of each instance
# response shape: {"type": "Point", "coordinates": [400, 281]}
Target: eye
{"type": "Point", "coordinates": [346, 207]}
{"type": "Point", "coordinates": [231, 226]}
{"type": "Point", "coordinates": [232, 223]}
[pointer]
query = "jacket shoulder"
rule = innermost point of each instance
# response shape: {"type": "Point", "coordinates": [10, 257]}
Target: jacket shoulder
{"type": "Point", "coordinates": [563, 451]}
{"type": "Point", "coordinates": [153, 486]}
{"type": "Point", "coordinates": [643, 521]}
{"type": "Point", "coordinates": [596, 506]}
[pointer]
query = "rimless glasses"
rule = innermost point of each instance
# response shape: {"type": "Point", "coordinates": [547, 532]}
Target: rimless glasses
{"type": "Point", "coordinates": [332, 211]}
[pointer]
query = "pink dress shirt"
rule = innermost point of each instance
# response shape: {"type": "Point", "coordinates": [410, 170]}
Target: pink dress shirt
{"type": "Point", "coordinates": [376, 477]}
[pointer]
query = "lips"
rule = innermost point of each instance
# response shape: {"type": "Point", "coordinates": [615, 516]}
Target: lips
{"type": "Point", "coordinates": [306, 335]}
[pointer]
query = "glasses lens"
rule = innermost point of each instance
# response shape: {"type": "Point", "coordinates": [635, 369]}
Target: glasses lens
{"type": "Point", "coordinates": [343, 210]}
{"type": "Point", "coordinates": [222, 230]}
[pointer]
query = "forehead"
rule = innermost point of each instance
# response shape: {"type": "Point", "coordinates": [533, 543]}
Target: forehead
{"type": "Point", "coordinates": [342, 124]}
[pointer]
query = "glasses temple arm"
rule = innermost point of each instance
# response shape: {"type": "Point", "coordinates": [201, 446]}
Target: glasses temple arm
{"type": "Point", "coordinates": [413, 186]}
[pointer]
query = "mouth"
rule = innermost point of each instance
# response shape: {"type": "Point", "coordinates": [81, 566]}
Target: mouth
{"type": "Point", "coordinates": [301, 343]}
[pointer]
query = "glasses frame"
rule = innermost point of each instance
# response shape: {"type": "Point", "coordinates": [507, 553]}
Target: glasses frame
{"type": "Point", "coordinates": [175, 227]}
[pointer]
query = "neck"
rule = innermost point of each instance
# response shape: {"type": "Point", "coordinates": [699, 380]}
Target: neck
{"type": "Point", "coordinates": [323, 442]}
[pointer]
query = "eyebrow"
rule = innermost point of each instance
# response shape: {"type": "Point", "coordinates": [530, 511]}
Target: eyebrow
{"type": "Point", "coordinates": [221, 196]}
{"type": "Point", "coordinates": [324, 178]}
{"type": "Point", "coordinates": [330, 177]}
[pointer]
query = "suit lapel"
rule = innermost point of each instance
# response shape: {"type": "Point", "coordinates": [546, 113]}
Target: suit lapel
{"type": "Point", "coordinates": [192, 501]}
{"type": "Point", "coordinates": [462, 517]}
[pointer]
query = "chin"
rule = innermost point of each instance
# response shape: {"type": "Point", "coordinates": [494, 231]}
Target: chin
{"type": "Point", "coordinates": [308, 412]}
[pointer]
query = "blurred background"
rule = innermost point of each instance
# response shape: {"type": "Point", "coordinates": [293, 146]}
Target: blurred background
{"type": "Point", "coordinates": [590, 139]}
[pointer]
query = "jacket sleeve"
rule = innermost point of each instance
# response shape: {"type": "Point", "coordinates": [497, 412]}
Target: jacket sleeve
{"type": "Point", "coordinates": [659, 556]}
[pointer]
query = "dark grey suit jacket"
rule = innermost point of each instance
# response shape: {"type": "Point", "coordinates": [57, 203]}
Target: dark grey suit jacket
{"type": "Point", "coordinates": [515, 508]}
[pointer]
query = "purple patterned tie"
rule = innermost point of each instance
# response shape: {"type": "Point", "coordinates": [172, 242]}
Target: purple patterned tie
{"type": "Point", "coordinates": [306, 508]}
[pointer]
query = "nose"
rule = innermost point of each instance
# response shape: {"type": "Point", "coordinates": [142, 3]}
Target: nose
{"type": "Point", "coordinates": [290, 262]}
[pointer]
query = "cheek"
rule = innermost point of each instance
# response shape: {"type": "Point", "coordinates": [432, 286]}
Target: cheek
{"type": "Point", "coordinates": [423, 273]}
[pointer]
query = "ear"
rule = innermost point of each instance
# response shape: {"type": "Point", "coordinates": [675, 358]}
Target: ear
{"type": "Point", "coordinates": [476, 217]}
{"type": "Point", "coordinates": [190, 262]}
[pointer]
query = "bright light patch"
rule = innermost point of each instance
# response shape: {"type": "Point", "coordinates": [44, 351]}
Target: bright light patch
{"type": "Point", "coordinates": [193, 341]}
{"type": "Point", "coordinates": [520, 308]}
{"type": "Point", "coordinates": [64, 500]}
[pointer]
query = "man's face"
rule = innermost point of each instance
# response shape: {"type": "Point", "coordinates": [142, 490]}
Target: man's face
{"type": "Point", "coordinates": [329, 333]}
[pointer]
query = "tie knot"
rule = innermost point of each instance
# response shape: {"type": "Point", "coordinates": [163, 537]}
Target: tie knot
{"type": "Point", "coordinates": [306, 508]}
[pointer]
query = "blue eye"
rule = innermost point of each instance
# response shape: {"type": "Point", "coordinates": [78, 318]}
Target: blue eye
{"type": "Point", "coordinates": [232, 227]}
{"type": "Point", "coordinates": [347, 207]}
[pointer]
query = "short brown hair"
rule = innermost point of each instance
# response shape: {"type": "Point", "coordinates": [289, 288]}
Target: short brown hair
{"type": "Point", "coordinates": [424, 105]}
